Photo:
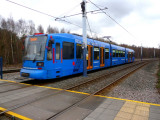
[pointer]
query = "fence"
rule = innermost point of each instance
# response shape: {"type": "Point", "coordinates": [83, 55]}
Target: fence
{"type": "Point", "coordinates": [1, 66]}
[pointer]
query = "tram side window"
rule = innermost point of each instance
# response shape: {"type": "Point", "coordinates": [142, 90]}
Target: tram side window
{"type": "Point", "coordinates": [114, 52]}
{"type": "Point", "coordinates": [68, 50]}
{"type": "Point", "coordinates": [49, 52]}
{"type": "Point", "coordinates": [117, 53]}
{"type": "Point", "coordinates": [96, 53]}
{"type": "Point", "coordinates": [57, 51]}
{"type": "Point", "coordinates": [106, 53]}
{"type": "Point", "coordinates": [131, 54]}
{"type": "Point", "coordinates": [79, 51]}
{"type": "Point", "coordinates": [123, 53]}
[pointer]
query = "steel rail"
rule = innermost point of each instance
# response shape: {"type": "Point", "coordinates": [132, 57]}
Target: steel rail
{"type": "Point", "coordinates": [86, 98]}
{"type": "Point", "coordinates": [11, 71]}
{"type": "Point", "coordinates": [47, 95]}
{"type": "Point", "coordinates": [104, 75]}
{"type": "Point", "coordinates": [123, 76]}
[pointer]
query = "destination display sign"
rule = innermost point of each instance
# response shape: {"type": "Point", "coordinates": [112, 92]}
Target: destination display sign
{"type": "Point", "coordinates": [33, 39]}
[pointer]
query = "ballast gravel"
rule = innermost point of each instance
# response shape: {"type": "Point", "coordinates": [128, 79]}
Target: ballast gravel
{"type": "Point", "coordinates": [140, 86]}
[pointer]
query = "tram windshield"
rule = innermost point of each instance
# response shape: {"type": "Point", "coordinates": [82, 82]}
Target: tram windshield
{"type": "Point", "coordinates": [35, 48]}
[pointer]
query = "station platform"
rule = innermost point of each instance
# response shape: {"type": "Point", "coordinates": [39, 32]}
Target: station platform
{"type": "Point", "coordinates": [40, 103]}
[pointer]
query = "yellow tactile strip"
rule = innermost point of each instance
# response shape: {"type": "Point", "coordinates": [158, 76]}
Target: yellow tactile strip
{"type": "Point", "coordinates": [133, 111]}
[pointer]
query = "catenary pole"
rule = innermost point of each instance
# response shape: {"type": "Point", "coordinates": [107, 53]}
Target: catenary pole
{"type": "Point", "coordinates": [83, 6]}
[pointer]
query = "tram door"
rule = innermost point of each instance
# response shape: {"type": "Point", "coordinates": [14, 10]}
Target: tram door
{"type": "Point", "coordinates": [128, 56]}
{"type": "Point", "coordinates": [89, 57]}
{"type": "Point", "coordinates": [131, 56]}
{"type": "Point", "coordinates": [101, 56]}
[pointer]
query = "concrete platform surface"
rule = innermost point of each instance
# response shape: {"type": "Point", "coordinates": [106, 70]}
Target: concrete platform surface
{"type": "Point", "coordinates": [41, 103]}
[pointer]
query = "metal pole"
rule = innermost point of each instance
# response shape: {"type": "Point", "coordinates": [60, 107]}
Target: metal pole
{"type": "Point", "coordinates": [141, 52]}
{"type": "Point", "coordinates": [83, 6]}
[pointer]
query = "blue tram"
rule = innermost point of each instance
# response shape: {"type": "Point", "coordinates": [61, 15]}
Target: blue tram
{"type": "Point", "coordinates": [49, 56]}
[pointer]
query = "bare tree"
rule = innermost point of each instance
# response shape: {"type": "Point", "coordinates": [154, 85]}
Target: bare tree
{"type": "Point", "coordinates": [22, 28]}
{"type": "Point", "coordinates": [40, 29]}
{"type": "Point", "coordinates": [3, 23]}
{"type": "Point", "coordinates": [11, 27]}
{"type": "Point", "coordinates": [56, 30]}
{"type": "Point", "coordinates": [31, 26]}
{"type": "Point", "coordinates": [63, 30]}
{"type": "Point", "coordinates": [50, 29]}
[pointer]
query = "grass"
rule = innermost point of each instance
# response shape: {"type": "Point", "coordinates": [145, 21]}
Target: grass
{"type": "Point", "coordinates": [158, 74]}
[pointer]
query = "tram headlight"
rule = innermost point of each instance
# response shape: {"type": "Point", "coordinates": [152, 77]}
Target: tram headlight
{"type": "Point", "coordinates": [40, 64]}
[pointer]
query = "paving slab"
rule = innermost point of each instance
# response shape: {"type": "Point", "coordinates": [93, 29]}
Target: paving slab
{"type": "Point", "coordinates": [121, 109]}
{"type": "Point", "coordinates": [52, 101]}
{"type": "Point", "coordinates": [27, 98]}
{"type": "Point", "coordinates": [76, 113]}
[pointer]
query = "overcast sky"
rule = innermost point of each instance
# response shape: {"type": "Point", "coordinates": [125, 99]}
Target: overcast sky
{"type": "Point", "coordinates": [140, 17]}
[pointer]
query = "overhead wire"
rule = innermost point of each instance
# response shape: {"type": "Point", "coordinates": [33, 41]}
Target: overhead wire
{"type": "Point", "coordinates": [89, 27]}
{"type": "Point", "coordinates": [55, 18]}
{"type": "Point", "coordinates": [70, 10]}
{"type": "Point", "coordinates": [112, 18]}
{"type": "Point", "coordinates": [81, 13]}
{"type": "Point", "coordinates": [43, 13]}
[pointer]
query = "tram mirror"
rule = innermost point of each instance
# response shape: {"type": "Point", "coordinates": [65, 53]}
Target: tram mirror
{"type": "Point", "coordinates": [49, 45]}
{"type": "Point", "coordinates": [51, 39]}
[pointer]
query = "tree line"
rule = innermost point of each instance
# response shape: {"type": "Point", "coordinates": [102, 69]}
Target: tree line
{"type": "Point", "coordinates": [12, 34]}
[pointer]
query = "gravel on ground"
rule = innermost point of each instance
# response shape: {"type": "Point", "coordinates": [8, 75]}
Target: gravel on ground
{"type": "Point", "coordinates": [140, 86]}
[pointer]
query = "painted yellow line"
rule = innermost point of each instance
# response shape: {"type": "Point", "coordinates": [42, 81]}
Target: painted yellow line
{"type": "Point", "coordinates": [77, 92]}
{"type": "Point", "coordinates": [128, 100]}
{"type": "Point", "coordinates": [15, 114]}
{"type": "Point", "coordinates": [14, 82]}
{"type": "Point", "coordinates": [48, 87]}
{"type": "Point", "coordinates": [8, 81]}
{"type": "Point", "coordinates": [82, 93]}
{"type": "Point", "coordinates": [2, 109]}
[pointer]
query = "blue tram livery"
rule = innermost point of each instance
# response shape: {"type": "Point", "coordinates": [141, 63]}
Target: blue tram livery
{"type": "Point", "coordinates": [49, 56]}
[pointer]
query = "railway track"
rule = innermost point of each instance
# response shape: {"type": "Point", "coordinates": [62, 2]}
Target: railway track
{"type": "Point", "coordinates": [97, 92]}
{"type": "Point", "coordinates": [21, 78]}
{"type": "Point", "coordinates": [102, 77]}
{"type": "Point", "coordinates": [10, 85]}
{"type": "Point", "coordinates": [11, 71]}
{"type": "Point", "coordinates": [99, 77]}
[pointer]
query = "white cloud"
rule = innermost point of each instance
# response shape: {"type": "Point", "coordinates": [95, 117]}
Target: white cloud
{"type": "Point", "coordinates": [140, 17]}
